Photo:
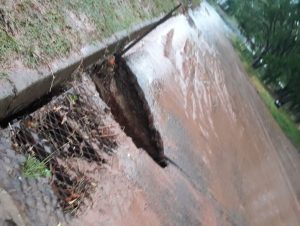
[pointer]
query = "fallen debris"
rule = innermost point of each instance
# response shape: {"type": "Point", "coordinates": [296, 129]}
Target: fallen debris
{"type": "Point", "coordinates": [69, 128]}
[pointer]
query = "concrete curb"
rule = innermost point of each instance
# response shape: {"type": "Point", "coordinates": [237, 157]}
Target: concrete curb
{"type": "Point", "coordinates": [24, 86]}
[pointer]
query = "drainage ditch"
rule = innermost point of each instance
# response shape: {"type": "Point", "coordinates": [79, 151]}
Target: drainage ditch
{"type": "Point", "coordinates": [119, 88]}
{"type": "Point", "coordinates": [69, 133]}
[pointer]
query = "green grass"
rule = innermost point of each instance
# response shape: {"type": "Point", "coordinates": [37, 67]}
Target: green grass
{"type": "Point", "coordinates": [42, 35]}
{"type": "Point", "coordinates": [37, 31]}
{"type": "Point", "coordinates": [244, 54]}
{"type": "Point", "coordinates": [165, 6]}
{"type": "Point", "coordinates": [33, 168]}
{"type": "Point", "coordinates": [283, 118]}
{"type": "Point", "coordinates": [7, 46]}
{"type": "Point", "coordinates": [110, 16]}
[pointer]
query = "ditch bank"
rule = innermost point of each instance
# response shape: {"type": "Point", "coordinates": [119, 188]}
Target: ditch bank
{"type": "Point", "coordinates": [60, 140]}
{"type": "Point", "coordinates": [24, 86]}
{"type": "Point", "coordinates": [119, 88]}
{"type": "Point", "coordinates": [77, 144]}
{"type": "Point", "coordinates": [55, 159]}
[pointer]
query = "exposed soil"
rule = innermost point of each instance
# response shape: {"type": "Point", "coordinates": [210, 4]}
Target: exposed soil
{"type": "Point", "coordinates": [77, 138]}
{"type": "Point", "coordinates": [71, 137]}
{"type": "Point", "coordinates": [119, 88]}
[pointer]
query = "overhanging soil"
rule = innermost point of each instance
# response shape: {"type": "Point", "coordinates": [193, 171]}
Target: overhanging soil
{"type": "Point", "coordinates": [118, 87]}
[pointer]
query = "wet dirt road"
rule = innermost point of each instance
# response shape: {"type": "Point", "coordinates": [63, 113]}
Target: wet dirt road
{"type": "Point", "coordinates": [234, 165]}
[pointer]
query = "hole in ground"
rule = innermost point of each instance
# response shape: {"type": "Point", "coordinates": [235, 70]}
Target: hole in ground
{"type": "Point", "coordinates": [119, 88]}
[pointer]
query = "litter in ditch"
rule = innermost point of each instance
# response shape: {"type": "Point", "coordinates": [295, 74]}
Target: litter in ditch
{"type": "Point", "coordinates": [65, 135]}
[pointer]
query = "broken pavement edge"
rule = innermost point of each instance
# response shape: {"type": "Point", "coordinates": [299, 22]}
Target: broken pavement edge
{"type": "Point", "coordinates": [24, 86]}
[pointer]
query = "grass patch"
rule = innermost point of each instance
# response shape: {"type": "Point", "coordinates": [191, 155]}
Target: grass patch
{"type": "Point", "coordinates": [35, 32]}
{"type": "Point", "coordinates": [283, 118]}
{"type": "Point", "coordinates": [110, 16]}
{"type": "Point", "coordinates": [42, 32]}
{"type": "Point", "coordinates": [33, 168]}
{"type": "Point", "coordinates": [39, 31]}
{"type": "Point", "coordinates": [244, 54]}
{"type": "Point", "coordinates": [163, 6]}
{"type": "Point", "coordinates": [7, 46]}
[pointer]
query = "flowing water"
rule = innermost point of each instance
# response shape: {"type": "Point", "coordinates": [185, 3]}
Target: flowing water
{"type": "Point", "coordinates": [233, 164]}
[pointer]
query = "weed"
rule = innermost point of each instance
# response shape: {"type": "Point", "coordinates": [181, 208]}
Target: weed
{"type": "Point", "coordinates": [73, 98]}
{"type": "Point", "coordinates": [40, 32]}
{"type": "Point", "coordinates": [33, 168]}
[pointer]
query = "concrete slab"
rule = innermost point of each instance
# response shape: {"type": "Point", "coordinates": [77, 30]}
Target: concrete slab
{"type": "Point", "coordinates": [30, 85]}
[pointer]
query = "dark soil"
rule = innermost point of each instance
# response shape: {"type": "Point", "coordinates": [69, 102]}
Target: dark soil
{"type": "Point", "coordinates": [118, 87]}
{"type": "Point", "coordinates": [67, 128]}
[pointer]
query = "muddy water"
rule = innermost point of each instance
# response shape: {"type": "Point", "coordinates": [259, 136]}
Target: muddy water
{"type": "Point", "coordinates": [233, 167]}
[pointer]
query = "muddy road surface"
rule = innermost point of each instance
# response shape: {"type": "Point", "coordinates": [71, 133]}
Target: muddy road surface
{"type": "Point", "coordinates": [233, 165]}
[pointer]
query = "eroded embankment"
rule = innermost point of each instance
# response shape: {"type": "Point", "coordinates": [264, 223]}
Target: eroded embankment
{"type": "Point", "coordinates": [69, 136]}
{"type": "Point", "coordinates": [118, 87]}
{"type": "Point", "coordinates": [73, 137]}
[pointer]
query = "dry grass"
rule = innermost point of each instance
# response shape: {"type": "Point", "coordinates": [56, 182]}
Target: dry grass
{"type": "Point", "coordinates": [37, 32]}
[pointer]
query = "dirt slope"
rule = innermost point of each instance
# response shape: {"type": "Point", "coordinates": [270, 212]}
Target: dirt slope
{"type": "Point", "coordinates": [214, 125]}
{"type": "Point", "coordinates": [230, 163]}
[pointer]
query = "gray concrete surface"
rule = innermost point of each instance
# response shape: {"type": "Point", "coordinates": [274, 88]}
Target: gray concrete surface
{"type": "Point", "coordinates": [23, 86]}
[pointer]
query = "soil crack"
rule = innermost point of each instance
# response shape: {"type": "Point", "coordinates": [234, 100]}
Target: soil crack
{"type": "Point", "coordinates": [119, 88]}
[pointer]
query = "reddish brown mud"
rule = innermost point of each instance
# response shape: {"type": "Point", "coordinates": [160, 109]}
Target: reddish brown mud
{"type": "Point", "coordinates": [214, 126]}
